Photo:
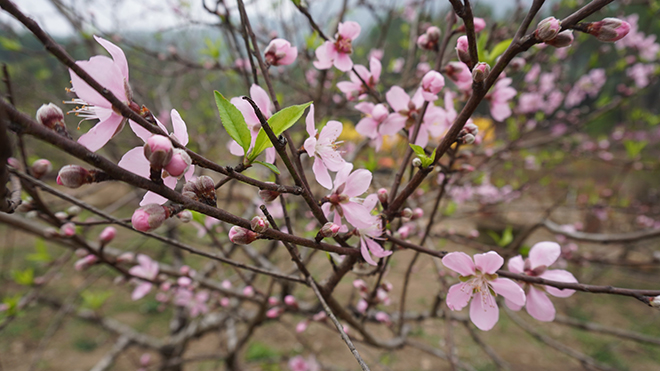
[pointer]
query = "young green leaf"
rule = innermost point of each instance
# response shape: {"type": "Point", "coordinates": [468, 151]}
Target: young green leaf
{"type": "Point", "coordinates": [419, 151]}
{"type": "Point", "coordinates": [279, 122]}
{"type": "Point", "coordinates": [233, 121]}
{"type": "Point", "coordinates": [270, 167]}
{"type": "Point", "coordinates": [497, 51]}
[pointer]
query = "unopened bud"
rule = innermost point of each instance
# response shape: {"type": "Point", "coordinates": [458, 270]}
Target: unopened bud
{"type": "Point", "coordinates": [609, 29]}
{"type": "Point", "coordinates": [108, 234]}
{"type": "Point", "coordinates": [259, 224]}
{"type": "Point", "coordinates": [201, 189]}
{"type": "Point", "coordinates": [73, 210]}
{"type": "Point", "coordinates": [383, 195]}
{"type": "Point", "coordinates": [86, 262]}
{"type": "Point", "coordinates": [548, 29]}
{"type": "Point", "coordinates": [149, 217]}
{"type": "Point", "coordinates": [274, 312]}
{"type": "Point", "coordinates": [563, 39]}
{"type": "Point", "coordinates": [471, 128]}
{"type": "Point", "coordinates": [61, 215]}
{"type": "Point", "coordinates": [480, 72]}
{"type": "Point", "coordinates": [290, 300]}
{"type": "Point", "coordinates": [429, 40]}
{"type": "Point", "coordinates": [73, 176]}
{"type": "Point", "coordinates": [432, 83]}
{"type": "Point", "coordinates": [655, 302]}
{"type": "Point", "coordinates": [467, 168]}
{"type": "Point", "coordinates": [329, 229]}
{"type": "Point", "coordinates": [185, 216]}
{"type": "Point", "coordinates": [462, 50]}
{"type": "Point", "coordinates": [467, 139]}
{"type": "Point", "coordinates": [179, 164]}
{"type": "Point", "coordinates": [158, 150]}
{"type": "Point", "coordinates": [418, 213]}
{"type": "Point", "coordinates": [248, 291]}
{"type": "Point", "coordinates": [479, 25]}
{"type": "Point", "coordinates": [268, 195]}
{"type": "Point", "coordinates": [242, 236]}
{"type": "Point", "coordinates": [517, 63]}
{"type": "Point", "coordinates": [407, 213]}
{"type": "Point", "coordinates": [40, 168]}
{"type": "Point", "coordinates": [50, 232]}
{"type": "Point", "coordinates": [416, 162]}
{"type": "Point", "coordinates": [52, 117]}
{"type": "Point", "coordinates": [68, 229]}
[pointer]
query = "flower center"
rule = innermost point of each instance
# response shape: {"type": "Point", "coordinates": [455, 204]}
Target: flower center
{"type": "Point", "coordinates": [344, 45]}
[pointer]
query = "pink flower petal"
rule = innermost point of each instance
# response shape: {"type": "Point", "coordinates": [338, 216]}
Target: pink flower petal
{"type": "Point", "coordinates": [358, 182]}
{"type": "Point", "coordinates": [326, 54]}
{"type": "Point", "coordinates": [331, 131]}
{"type": "Point", "coordinates": [342, 175]}
{"type": "Point", "coordinates": [559, 275]}
{"type": "Point", "coordinates": [135, 162]}
{"type": "Point", "coordinates": [349, 30]}
{"type": "Point", "coordinates": [179, 126]}
{"type": "Point", "coordinates": [261, 98]}
{"type": "Point", "coordinates": [539, 305]}
{"type": "Point", "coordinates": [356, 214]}
{"type": "Point", "coordinates": [101, 133]}
{"type": "Point", "coordinates": [376, 67]}
{"type": "Point", "coordinates": [343, 62]}
{"type": "Point", "coordinates": [247, 111]}
{"type": "Point", "coordinates": [509, 289]}
{"type": "Point", "coordinates": [511, 305]}
{"type": "Point", "coordinates": [376, 249]}
{"type": "Point", "coordinates": [309, 122]}
{"type": "Point", "coordinates": [397, 98]}
{"type": "Point", "coordinates": [367, 127]}
{"type": "Point", "coordinates": [364, 107]}
{"type": "Point", "coordinates": [484, 312]}
{"type": "Point", "coordinates": [489, 262]}
{"type": "Point", "coordinates": [141, 290]}
{"type": "Point", "coordinates": [544, 253]}
{"type": "Point", "coordinates": [516, 264]}
{"type": "Point", "coordinates": [364, 250]}
{"type": "Point", "coordinates": [459, 296]}
{"type": "Point", "coordinates": [106, 73]}
{"type": "Point", "coordinates": [460, 263]}
{"type": "Point", "coordinates": [321, 173]}
{"type": "Point", "coordinates": [117, 55]}
{"type": "Point", "coordinates": [392, 124]}
{"type": "Point", "coordinates": [310, 146]}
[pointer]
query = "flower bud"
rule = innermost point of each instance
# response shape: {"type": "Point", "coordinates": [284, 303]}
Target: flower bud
{"type": "Point", "coordinates": [274, 312]}
{"type": "Point", "coordinates": [417, 213]}
{"type": "Point", "coordinates": [158, 150]}
{"type": "Point", "coordinates": [548, 29]}
{"type": "Point", "coordinates": [179, 164]}
{"type": "Point", "coordinates": [61, 215]}
{"type": "Point", "coordinates": [480, 72]}
{"type": "Point", "coordinates": [290, 300]}
{"type": "Point", "coordinates": [268, 195]}
{"type": "Point", "coordinates": [563, 39]}
{"type": "Point", "coordinates": [248, 291]}
{"type": "Point", "coordinates": [432, 83]}
{"type": "Point", "coordinates": [479, 25]}
{"type": "Point", "coordinates": [242, 236]}
{"type": "Point", "coordinates": [429, 40]}
{"type": "Point", "coordinates": [471, 128]}
{"type": "Point", "coordinates": [149, 217]}
{"type": "Point", "coordinates": [280, 53]}
{"type": "Point", "coordinates": [655, 302]}
{"type": "Point", "coordinates": [68, 229]}
{"type": "Point", "coordinates": [406, 213]}
{"type": "Point", "coordinates": [416, 162]}
{"type": "Point", "coordinates": [201, 189]}
{"type": "Point", "coordinates": [185, 216]}
{"type": "Point", "coordinates": [73, 176]}
{"type": "Point", "coordinates": [126, 257]}
{"type": "Point", "coordinates": [329, 229]}
{"type": "Point", "coordinates": [362, 306]}
{"type": "Point", "coordinates": [517, 63]}
{"type": "Point", "coordinates": [108, 234]}
{"type": "Point", "coordinates": [467, 139]}
{"type": "Point", "coordinates": [462, 50]}
{"type": "Point", "coordinates": [383, 195]}
{"type": "Point", "coordinates": [86, 262]}
{"type": "Point", "coordinates": [259, 224]}
{"type": "Point", "coordinates": [383, 317]}
{"type": "Point", "coordinates": [40, 168]}
{"type": "Point", "coordinates": [609, 29]}
{"type": "Point", "coordinates": [302, 326]}
{"type": "Point", "coordinates": [51, 116]}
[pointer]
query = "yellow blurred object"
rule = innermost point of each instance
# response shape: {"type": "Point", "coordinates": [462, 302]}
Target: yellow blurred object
{"type": "Point", "coordinates": [486, 129]}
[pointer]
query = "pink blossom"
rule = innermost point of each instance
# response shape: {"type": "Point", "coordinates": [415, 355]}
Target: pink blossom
{"type": "Point", "coordinates": [85, 262]}
{"type": "Point", "coordinates": [298, 363]}
{"type": "Point", "coordinates": [429, 39]}
{"type": "Point", "coordinates": [337, 52]}
{"type": "Point", "coordinates": [280, 53]}
{"type": "Point", "coordinates": [368, 235]}
{"type": "Point", "coordinates": [499, 99]}
{"type": "Point", "coordinates": [370, 125]}
{"type": "Point", "coordinates": [479, 280]}
{"type": "Point", "coordinates": [460, 74]}
{"type": "Point", "coordinates": [432, 83]}
{"type": "Point", "coordinates": [343, 201]}
{"type": "Point", "coordinates": [641, 73]}
{"type": "Point", "coordinates": [609, 29]}
{"type": "Point", "coordinates": [135, 161]}
{"type": "Point", "coordinates": [383, 317]}
{"type": "Point", "coordinates": [462, 49]}
{"type": "Point", "coordinates": [322, 147]}
{"type": "Point", "coordinates": [111, 74]}
{"type": "Point", "coordinates": [261, 98]}
{"type": "Point", "coordinates": [147, 269]}
{"type": "Point", "coordinates": [355, 89]}
{"type": "Point", "coordinates": [108, 234]}
{"type": "Point", "coordinates": [541, 256]}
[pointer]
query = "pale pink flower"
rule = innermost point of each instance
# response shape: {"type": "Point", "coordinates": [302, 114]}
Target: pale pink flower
{"type": "Point", "coordinates": [147, 269]}
{"type": "Point", "coordinates": [135, 161]}
{"type": "Point", "coordinates": [370, 233]}
{"type": "Point", "coordinates": [262, 100]}
{"type": "Point", "coordinates": [111, 74]}
{"type": "Point", "coordinates": [195, 303]}
{"type": "Point", "coordinates": [406, 109]}
{"type": "Point", "coordinates": [499, 99]}
{"type": "Point", "coordinates": [323, 148]}
{"type": "Point", "coordinates": [541, 256]}
{"type": "Point", "coordinates": [337, 52]}
{"type": "Point", "coordinates": [343, 201]}
{"type": "Point", "coordinates": [280, 53]}
{"type": "Point", "coordinates": [432, 83]}
{"type": "Point", "coordinates": [298, 363]}
{"type": "Point", "coordinates": [370, 125]}
{"type": "Point", "coordinates": [460, 74]}
{"type": "Point", "coordinates": [479, 282]}
{"type": "Point", "coordinates": [355, 89]}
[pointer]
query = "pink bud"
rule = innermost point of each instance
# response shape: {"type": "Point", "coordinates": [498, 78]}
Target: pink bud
{"type": "Point", "coordinates": [40, 168]}
{"type": "Point", "coordinates": [563, 39]}
{"type": "Point", "coordinates": [68, 229]}
{"type": "Point", "coordinates": [149, 217]}
{"type": "Point", "coordinates": [185, 216]}
{"type": "Point", "coordinates": [73, 176]}
{"type": "Point", "coordinates": [13, 162]}
{"type": "Point", "coordinates": [268, 196]}
{"type": "Point", "coordinates": [166, 286]}
{"type": "Point", "coordinates": [85, 262]}
{"type": "Point", "coordinates": [280, 53]}
{"type": "Point", "coordinates": [50, 115]}
{"type": "Point", "coordinates": [226, 284]}
{"type": "Point", "coordinates": [480, 72]}
{"type": "Point", "coordinates": [609, 29]}
{"type": "Point", "coordinates": [224, 302]}
{"type": "Point", "coordinates": [201, 189]}
{"type": "Point", "coordinates": [126, 257]}
{"type": "Point", "coordinates": [108, 234]}
{"type": "Point", "coordinates": [467, 139]}
{"type": "Point", "coordinates": [320, 316]}
{"type": "Point", "coordinates": [185, 270]}
{"type": "Point", "coordinates": [329, 229]}
{"type": "Point", "coordinates": [158, 150]}
{"type": "Point", "coordinates": [179, 164]}
{"type": "Point", "coordinates": [302, 326]}
{"type": "Point", "coordinates": [360, 285]}
{"type": "Point", "coordinates": [290, 300]}
{"type": "Point", "coordinates": [383, 317]}
{"type": "Point", "coordinates": [462, 49]}
{"type": "Point", "coordinates": [184, 281]}
{"type": "Point", "coordinates": [242, 236]}
{"type": "Point", "coordinates": [273, 301]}
{"type": "Point", "coordinates": [274, 312]}
{"type": "Point", "coordinates": [429, 40]}
{"type": "Point", "coordinates": [406, 213]}
{"type": "Point", "coordinates": [517, 63]}
{"type": "Point", "coordinates": [432, 83]}
{"type": "Point", "coordinates": [259, 224]}
{"type": "Point", "coordinates": [418, 213]}
{"type": "Point", "coordinates": [383, 195]}
{"type": "Point", "coordinates": [248, 291]}
{"type": "Point", "coordinates": [145, 359]}
{"type": "Point", "coordinates": [479, 24]}
{"type": "Point", "coordinates": [362, 306]}
{"type": "Point", "coordinates": [548, 29]}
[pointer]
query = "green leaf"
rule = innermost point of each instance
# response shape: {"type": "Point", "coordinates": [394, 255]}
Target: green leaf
{"type": "Point", "coordinates": [497, 51]}
{"type": "Point", "coordinates": [233, 121]}
{"type": "Point", "coordinates": [270, 167]}
{"type": "Point", "coordinates": [42, 255]}
{"type": "Point", "coordinates": [419, 151]}
{"type": "Point", "coordinates": [507, 237]}
{"type": "Point", "coordinates": [11, 45]}
{"type": "Point", "coordinates": [494, 236]}
{"type": "Point", "coordinates": [451, 208]}
{"type": "Point", "coordinates": [634, 147]}
{"type": "Point", "coordinates": [279, 122]}
{"type": "Point", "coordinates": [481, 44]}
{"type": "Point", "coordinates": [25, 278]}
{"type": "Point", "coordinates": [95, 299]}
